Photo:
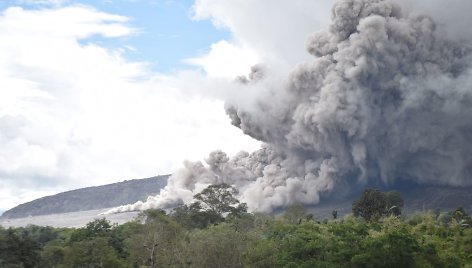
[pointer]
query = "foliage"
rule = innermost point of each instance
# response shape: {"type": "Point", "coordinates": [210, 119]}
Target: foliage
{"type": "Point", "coordinates": [190, 237]}
{"type": "Point", "coordinates": [97, 227]}
{"type": "Point", "coordinates": [394, 202]}
{"type": "Point", "coordinates": [193, 216]}
{"type": "Point", "coordinates": [212, 206]}
{"type": "Point", "coordinates": [461, 217]}
{"type": "Point", "coordinates": [217, 246]}
{"type": "Point", "coordinates": [374, 204]}
{"type": "Point", "coordinates": [52, 256]}
{"type": "Point", "coordinates": [387, 249]}
{"type": "Point", "coordinates": [18, 250]}
{"type": "Point", "coordinates": [295, 213]}
{"type": "Point", "coordinates": [219, 199]}
{"type": "Point", "coordinates": [94, 252]}
{"type": "Point", "coordinates": [155, 243]}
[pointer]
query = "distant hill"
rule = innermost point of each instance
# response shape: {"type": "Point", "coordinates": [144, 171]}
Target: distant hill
{"type": "Point", "coordinates": [417, 198]}
{"type": "Point", "coordinates": [90, 198]}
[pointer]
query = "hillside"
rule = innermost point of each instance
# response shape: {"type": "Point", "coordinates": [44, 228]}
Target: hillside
{"type": "Point", "coordinates": [417, 198]}
{"type": "Point", "coordinates": [90, 198]}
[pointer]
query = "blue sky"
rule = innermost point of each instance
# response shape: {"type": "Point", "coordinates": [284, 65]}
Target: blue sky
{"type": "Point", "coordinates": [166, 34]}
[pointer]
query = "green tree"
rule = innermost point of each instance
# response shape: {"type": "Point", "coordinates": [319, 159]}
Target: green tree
{"type": "Point", "coordinates": [461, 217]}
{"type": "Point", "coordinates": [393, 249]}
{"type": "Point", "coordinates": [394, 202]}
{"type": "Point", "coordinates": [94, 252]}
{"type": "Point", "coordinates": [212, 205]}
{"type": "Point", "coordinates": [220, 199]}
{"type": "Point", "coordinates": [194, 216]}
{"type": "Point", "coordinates": [40, 234]}
{"type": "Point", "coordinates": [98, 227]}
{"type": "Point", "coordinates": [155, 243]}
{"type": "Point", "coordinates": [217, 246]}
{"type": "Point", "coordinates": [335, 214]}
{"type": "Point", "coordinates": [18, 250]}
{"type": "Point", "coordinates": [52, 256]}
{"type": "Point", "coordinates": [373, 204]}
{"type": "Point", "coordinates": [81, 249]}
{"type": "Point", "coordinates": [295, 213]}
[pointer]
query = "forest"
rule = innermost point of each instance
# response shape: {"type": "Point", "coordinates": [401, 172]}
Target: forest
{"type": "Point", "coordinates": [217, 231]}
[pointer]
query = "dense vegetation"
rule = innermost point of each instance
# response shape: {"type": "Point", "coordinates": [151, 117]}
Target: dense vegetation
{"type": "Point", "coordinates": [216, 231]}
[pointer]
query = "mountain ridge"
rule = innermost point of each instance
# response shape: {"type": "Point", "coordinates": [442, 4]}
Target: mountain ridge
{"type": "Point", "coordinates": [417, 198]}
{"type": "Point", "coordinates": [90, 198]}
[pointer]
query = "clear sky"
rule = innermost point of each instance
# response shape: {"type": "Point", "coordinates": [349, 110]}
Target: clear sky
{"type": "Point", "coordinates": [166, 32]}
{"type": "Point", "coordinates": [94, 92]}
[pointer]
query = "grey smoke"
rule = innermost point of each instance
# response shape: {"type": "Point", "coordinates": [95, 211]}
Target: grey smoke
{"type": "Point", "coordinates": [387, 97]}
{"type": "Point", "coordinates": [452, 16]}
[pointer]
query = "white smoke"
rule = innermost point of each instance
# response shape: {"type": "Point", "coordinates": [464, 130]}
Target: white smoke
{"type": "Point", "coordinates": [387, 97]}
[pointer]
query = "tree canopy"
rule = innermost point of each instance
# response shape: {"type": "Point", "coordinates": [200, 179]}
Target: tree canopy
{"type": "Point", "coordinates": [373, 204]}
{"type": "Point", "coordinates": [212, 205]}
{"type": "Point", "coordinates": [185, 238]}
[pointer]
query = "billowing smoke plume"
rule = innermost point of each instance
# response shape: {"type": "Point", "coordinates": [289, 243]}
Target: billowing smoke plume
{"type": "Point", "coordinates": [387, 97]}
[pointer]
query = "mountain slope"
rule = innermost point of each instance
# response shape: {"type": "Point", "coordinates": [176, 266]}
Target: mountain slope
{"type": "Point", "coordinates": [90, 198]}
{"type": "Point", "coordinates": [417, 198]}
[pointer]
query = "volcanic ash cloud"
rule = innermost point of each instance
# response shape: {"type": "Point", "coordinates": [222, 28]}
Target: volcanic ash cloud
{"type": "Point", "coordinates": [386, 97]}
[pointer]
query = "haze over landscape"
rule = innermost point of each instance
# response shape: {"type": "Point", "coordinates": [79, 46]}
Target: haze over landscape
{"type": "Point", "coordinates": [235, 133]}
{"type": "Point", "coordinates": [327, 97]}
{"type": "Point", "coordinates": [385, 100]}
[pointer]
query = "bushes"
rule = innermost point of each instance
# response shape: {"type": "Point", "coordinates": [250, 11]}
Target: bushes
{"type": "Point", "coordinates": [18, 250]}
{"type": "Point", "coordinates": [249, 241]}
{"type": "Point", "coordinates": [242, 239]}
{"type": "Point", "coordinates": [393, 249]}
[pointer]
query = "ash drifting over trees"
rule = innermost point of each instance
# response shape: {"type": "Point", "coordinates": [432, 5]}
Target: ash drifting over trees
{"type": "Point", "coordinates": [387, 96]}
